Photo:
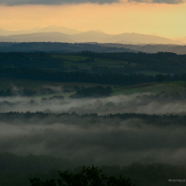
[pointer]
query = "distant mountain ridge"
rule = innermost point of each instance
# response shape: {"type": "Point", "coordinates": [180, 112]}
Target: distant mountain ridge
{"type": "Point", "coordinates": [49, 34]}
{"type": "Point", "coordinates": [94, 47]}
{"type": "Point", "coordinates": [48, 29]}
{"type": "Point", "coordinates": [38, 37]}
{"type": "Point", "coordinates": [58, 47]}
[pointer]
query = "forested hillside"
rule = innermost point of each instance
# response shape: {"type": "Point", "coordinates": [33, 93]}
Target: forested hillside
{"type": "Point", "coordinates": [124, 112]}
{"type": "Point", "coordinates": [120, 63]}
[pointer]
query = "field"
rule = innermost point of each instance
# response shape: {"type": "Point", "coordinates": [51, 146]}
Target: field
{"type": "Point", "coordinates": [85, 63]}
{"type": "Point", "coordinates": [168, 87]}
{"type": "Point", "coordinates": [150, 64]}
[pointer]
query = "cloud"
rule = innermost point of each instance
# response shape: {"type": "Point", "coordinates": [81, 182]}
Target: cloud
{"type": "Point", "coordinates": [58, 2]}
{"type": "Point", "coordinates": [54, 2]}
{"type": "Point", "coordinates": [159, 1]}
{"type": "Point", "coordinates": [139, 103]}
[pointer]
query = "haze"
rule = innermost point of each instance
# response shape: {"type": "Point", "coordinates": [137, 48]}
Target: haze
{"type": "Point", "coordinates": [164, 18]}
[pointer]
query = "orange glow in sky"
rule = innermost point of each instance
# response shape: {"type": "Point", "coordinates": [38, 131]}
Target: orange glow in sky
{"type": "Point", "coordinates": [162, 19]}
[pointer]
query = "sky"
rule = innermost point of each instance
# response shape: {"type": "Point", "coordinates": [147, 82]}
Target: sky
{"type": "Point", "coordinates": [159, 17]}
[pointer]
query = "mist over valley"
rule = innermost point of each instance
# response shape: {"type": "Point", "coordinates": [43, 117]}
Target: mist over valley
{"type": "Point", "coordinates": [124, 112]}
{"type": "Point", "coordinates": [99, 130]}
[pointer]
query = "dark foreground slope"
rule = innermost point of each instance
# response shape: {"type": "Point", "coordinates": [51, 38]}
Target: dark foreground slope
{"type": "Point", "coordinates": [21, 169]}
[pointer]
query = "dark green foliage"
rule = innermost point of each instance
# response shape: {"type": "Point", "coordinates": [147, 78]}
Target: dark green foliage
{"type": "Point", "coordinates": [50, 75]}
{"type": "Point", "coordinates": [56, 98]}
{"type": "Point", "coordinates": [26, 92]}
{"type": "Point", "coordinates": [101, 69]}
{"type": "Point", "coordinates": [39, 182]}
{"type": "Point", "coordinates": [10, 163]}
{"type": "Point", "coordinates": [74, 67]}
{"type": "Point", "coordinates": [30, 60]}
{"type": "Point", "coordinates": [42, 66]}
{"type": "Point", "coordinates": [87, 119]}
{"type": "Point", "coordinates": [83, 77]}
{"type": "Point", "coordinates": [88, 60]}
{"type": "Point", "coordinates": [162, 62]}
{"type": "Point", "coordinates": [21, 92]}
{"type": "Point", "coordinates": [15, 171]}
{"type": "Point", "coordinates": [160, 78]}
{"type": "Point", "coordinates": [45, 91]}
{"type": "Point", "coordinates": [89, 176]}
{"type": "Point", "coordinates": [97, 91]}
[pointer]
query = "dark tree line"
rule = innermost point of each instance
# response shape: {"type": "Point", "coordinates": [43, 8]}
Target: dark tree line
{"type": "Point", "coordinates": [87, 119]}
{"type": "Point", "coordinates": [162, 62]}
{"type": "Point", "coordinates": [97, 91]}
{"type": "Point", "coordinates": [109, 78]}
{"type": "Point", "coordinates": [89, 176]}
{"type": "Point", "coordinates": [26, 92]}
{"type": "Point", "coordinates": [30, 60]}
{"type": "Point", "coordinates": [16, 171]}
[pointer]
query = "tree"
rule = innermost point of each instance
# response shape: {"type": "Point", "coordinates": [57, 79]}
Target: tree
{"type": "Point", "coordinates": [160, 78]}
{"type": "Point", "coordinates": [89, 176]}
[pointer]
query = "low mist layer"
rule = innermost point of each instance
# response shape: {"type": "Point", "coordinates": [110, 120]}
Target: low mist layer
{"type": "Point", "coordinates": [108, 130]}
{"type": "Point", "coordinates": [111, 139]}
{"type": "Point", "coordinates": [141, 103]}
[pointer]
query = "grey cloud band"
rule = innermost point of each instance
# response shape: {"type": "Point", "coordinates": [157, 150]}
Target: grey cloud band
{"type": "Point", "coordinates": [57, 2]}
{"type": "Point", "coordinates": [160, 1]}
{"type": "Point", "coordinates": [54, 2]}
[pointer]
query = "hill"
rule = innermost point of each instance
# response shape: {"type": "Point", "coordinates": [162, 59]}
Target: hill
{"type": "Point", "coordinates": [51, 28]}
{"type": "Point", "coordinates": [48, 35]}
{"type": "Point", "coordinates": [91, 46]}
{"type": "Point", "coordinates": [154, 88]}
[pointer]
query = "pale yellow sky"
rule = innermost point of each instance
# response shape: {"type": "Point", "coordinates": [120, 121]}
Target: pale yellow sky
{"type": "Point", "coordinates": [163, 19]}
